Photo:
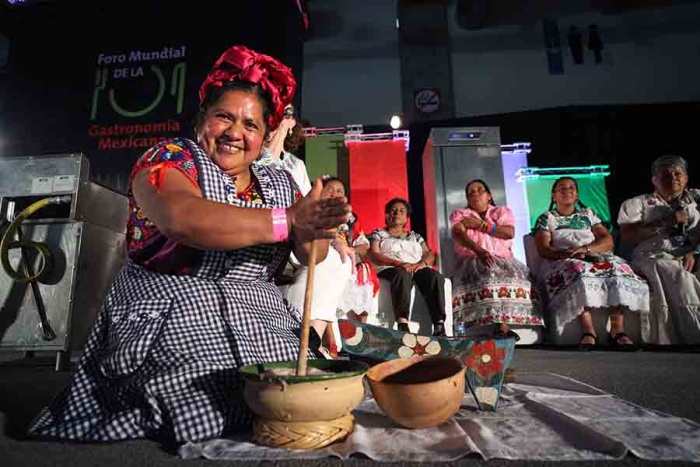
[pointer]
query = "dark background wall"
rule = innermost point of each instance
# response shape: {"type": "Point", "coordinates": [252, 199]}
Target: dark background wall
{"type": "Point", "coordinates": [627, 137]}
{"type": "Point", "coordinates": [48, 86]}
{"type": "Point", "coordinates": [638, 103]}
{"type": "Point", "coordinates": [498, 56]}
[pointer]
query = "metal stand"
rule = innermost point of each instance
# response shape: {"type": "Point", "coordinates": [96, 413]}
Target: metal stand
{"type": "Point", "coordinates": [62, 361]}
{"type": "Point", "coordinates": [85, 236]}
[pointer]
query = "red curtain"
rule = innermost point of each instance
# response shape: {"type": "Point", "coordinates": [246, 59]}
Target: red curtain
{"type": "Point", "coordinates": [378, 173]}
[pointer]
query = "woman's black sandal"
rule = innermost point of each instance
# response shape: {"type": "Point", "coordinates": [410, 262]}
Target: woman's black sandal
{"type": "Point", "coordinates": [583, 346]}
{"type": "Point", "coordinates": [615, 343]}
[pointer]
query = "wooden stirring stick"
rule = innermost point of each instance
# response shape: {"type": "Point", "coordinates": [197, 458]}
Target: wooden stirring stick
{"type": "Point", "coordinates": [306, 317]}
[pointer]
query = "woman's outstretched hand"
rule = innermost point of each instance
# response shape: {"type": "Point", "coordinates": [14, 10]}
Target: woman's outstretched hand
{"type": "Point", "coordinates": [315, 218]}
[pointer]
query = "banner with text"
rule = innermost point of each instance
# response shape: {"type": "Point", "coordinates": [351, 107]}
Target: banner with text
{"type": "Point", "coordinates": [138, 99]}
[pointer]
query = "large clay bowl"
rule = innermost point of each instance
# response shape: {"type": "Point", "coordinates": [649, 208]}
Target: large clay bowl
{"type": "Point", "coordinates": [418, 392]}
{"type": "Point", "coordinates": [307, 398]}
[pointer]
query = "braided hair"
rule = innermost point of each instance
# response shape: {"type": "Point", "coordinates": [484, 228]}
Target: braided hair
{"type": "Point", "coordinates": [579, 203]}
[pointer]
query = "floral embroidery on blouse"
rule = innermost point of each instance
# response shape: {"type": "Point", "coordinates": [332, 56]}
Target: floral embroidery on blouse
{"type": "Point", "coordinates": [167, 154]}
{"type": "Point", "coordinates": [251, 194]}
{"type": "Point", "coordinates": [380, 234]}
{"type": "Point", "coordinates": [580, 219]}
{"type": "Point", "coordinates": [289, 163]}
{"type": "Point", "coordinates": [146, 245]}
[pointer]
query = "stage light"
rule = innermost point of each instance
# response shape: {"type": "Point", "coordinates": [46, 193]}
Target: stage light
{"type": "Point", "coordinates": [395, 122]}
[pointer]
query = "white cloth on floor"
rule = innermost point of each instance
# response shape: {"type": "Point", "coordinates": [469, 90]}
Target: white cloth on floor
{"type": "Point", "coordinates": [544, 417]}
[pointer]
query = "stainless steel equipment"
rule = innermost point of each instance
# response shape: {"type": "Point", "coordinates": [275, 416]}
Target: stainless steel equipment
{"type": "Point", "coordinates": [451, 158]}
{"type": "Point", "coordinates": [85, 234]}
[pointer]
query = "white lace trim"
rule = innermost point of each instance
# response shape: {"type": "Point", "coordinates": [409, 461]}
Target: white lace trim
{"type": "Point", "coordinates": [596, 294]}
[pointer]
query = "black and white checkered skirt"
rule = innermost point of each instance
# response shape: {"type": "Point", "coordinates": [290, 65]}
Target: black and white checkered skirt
{"type": "Point", "coordinates": [162, 358]}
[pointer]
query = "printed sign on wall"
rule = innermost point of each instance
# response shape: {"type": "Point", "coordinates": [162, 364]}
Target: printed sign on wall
{"type": "Point", "coordinates": [123, 89]}
{"type": "Point", "coordinates": [137, 98]}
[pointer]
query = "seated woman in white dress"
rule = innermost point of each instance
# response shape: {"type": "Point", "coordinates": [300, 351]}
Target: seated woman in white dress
{"type": "Point", "coordinates": [664, 227]}
{"type": "Point", "coordinates": [579, 272]}
{"type": "Point", "coordinates": [331, 279]}
{"type": "Point", "coordinates": [358, 300]}
{"type": "Point", "coordinates": [403, 258]}
{"type": "Point", "coordinates": [279, 154]}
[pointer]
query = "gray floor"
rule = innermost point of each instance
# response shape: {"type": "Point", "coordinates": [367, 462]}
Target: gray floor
{"type": "Point", "coordinates": [667, 381]}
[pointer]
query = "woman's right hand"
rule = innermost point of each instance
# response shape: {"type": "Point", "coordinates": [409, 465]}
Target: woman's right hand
{"type": "Point", "coordinates": [314, 218]}
{"type": "Point", "coordinates": [486, 257]}
{"type": "Point", "coordinates": [557, 255]}
{"type": "Point", "coordinates": [578, 252]}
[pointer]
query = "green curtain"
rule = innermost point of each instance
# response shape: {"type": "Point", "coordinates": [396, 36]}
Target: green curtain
{"type": "Point", "coordinates": [322, 155]}
{"type": "Point", "coordinates": [591, 191]}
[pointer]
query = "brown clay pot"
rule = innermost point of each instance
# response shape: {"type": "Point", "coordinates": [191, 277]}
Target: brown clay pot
{"type": "Point", "coordinates": [305, 398]}
{"type": "Point", "coordinates": [418, 392]}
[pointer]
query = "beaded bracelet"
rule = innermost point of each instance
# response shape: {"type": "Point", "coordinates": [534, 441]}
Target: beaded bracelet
{"type": "Point", "coordinates": [493, 229]}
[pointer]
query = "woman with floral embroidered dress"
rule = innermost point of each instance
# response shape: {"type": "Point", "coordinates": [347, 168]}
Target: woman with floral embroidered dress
{"type": "Point", "coordinates": [196, 300]}
{"type": "Point", "coordinates": [491, 287]}
{"type": "Point", "coordinates": [579, 272]}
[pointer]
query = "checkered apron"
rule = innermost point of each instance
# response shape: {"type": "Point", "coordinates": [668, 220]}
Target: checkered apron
{"type": "Point", "coordinates": [162, 358]}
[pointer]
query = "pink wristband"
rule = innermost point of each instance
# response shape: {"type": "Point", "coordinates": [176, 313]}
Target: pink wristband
{"type": "Point", "coordinates": [279, 224]}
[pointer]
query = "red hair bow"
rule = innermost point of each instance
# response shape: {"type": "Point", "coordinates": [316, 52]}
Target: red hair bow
{"type": "Point", "coordinates": [241, 63]}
